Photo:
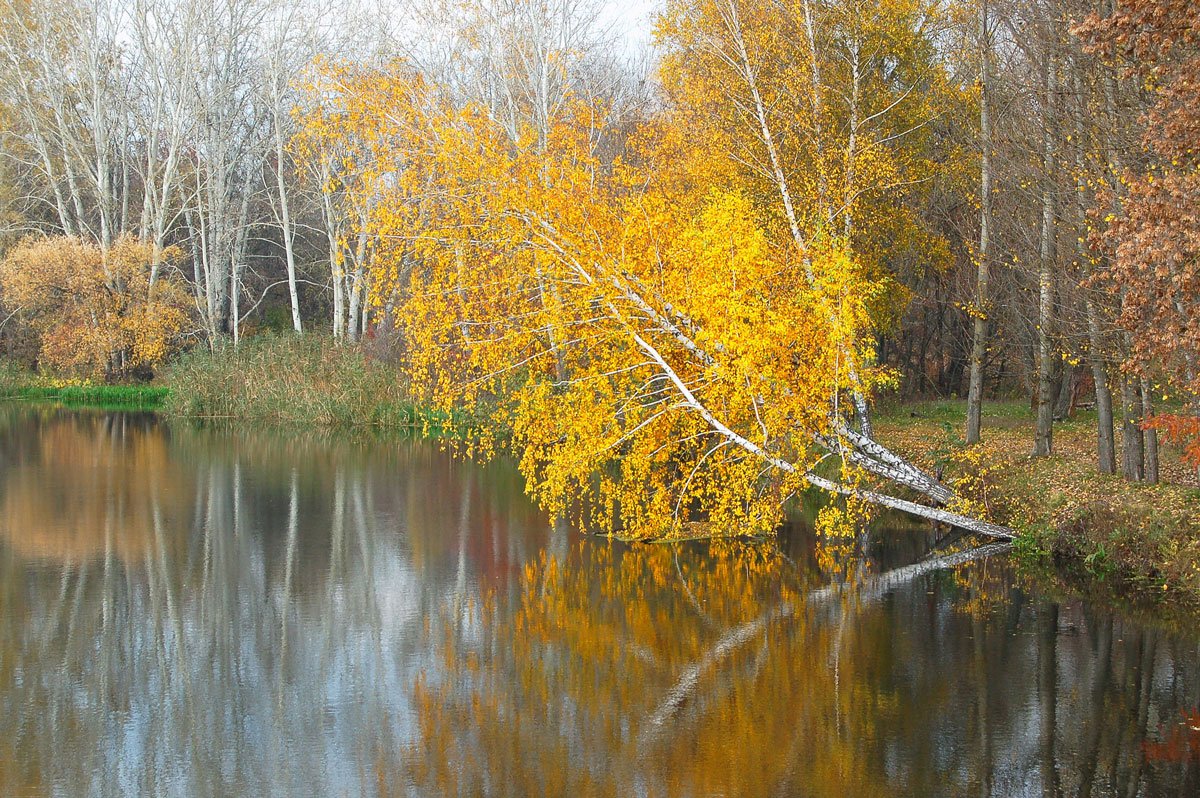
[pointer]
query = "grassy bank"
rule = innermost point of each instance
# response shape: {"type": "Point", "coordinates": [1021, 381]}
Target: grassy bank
{"type": "Point", "coordinates": [274, 379]}
{"type": "Point", "coordinates": [282, 379]}
{"type": "Point", "coordinates": [1138, 540]}
{"type": "Point", "coordinates": [19, 385]}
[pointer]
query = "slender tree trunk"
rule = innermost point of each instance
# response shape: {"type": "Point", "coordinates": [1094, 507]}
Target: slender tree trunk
{"type": "Point", "coordinates": [1066, 391]}
{"type": "Point", "coordinates": [1149, 436]}
{"type": "Point", "coordinates": [211, 290]}
{"type": "Point", "coordinates": [1132, 451]}
{"type": "Point", "coordinates": [339, 296]}
{"type": "Point", "coordinates": [849, 188]}
{"type": "Point", "coordinates": [1106, 449]}
{"type": "Point", "coordinates": [234, 310]}
{"type": "Point", "coordinates": [1043, 435]}
{"type": "Point", "coordinates": [1105, 437]}
{"type": "Point", "coordinates": [355, 291]}
{"type": "Point", "coordinates": [239, 236]}
{"type": "Point", "coordinates": [69, 172]}
{"type": "Point", "coordinates": [816, 101]}
{"type": "Point", "coordinates": [285, 225]}
{"type": "Point", "coordinates": [336, 267]}
{"type": "Point", "coordinates": [979, 310]}
{"type": "Point", "coordinates": [123, 217]}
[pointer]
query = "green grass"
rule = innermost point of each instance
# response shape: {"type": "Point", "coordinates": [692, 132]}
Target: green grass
{"type": "Point", "coordinates": [18, 384]}
{"type": "Point", "coordinates": [108, 397]}
{"type": "Point", "coordinates": [1002, 413]}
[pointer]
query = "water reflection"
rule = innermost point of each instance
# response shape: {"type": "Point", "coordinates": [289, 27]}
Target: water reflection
{"type": "Point", "coordinates": [202, 613]}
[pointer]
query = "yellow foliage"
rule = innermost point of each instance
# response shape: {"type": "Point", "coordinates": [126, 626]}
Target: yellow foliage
{"type": "Point", "coordinates": [664, 342]}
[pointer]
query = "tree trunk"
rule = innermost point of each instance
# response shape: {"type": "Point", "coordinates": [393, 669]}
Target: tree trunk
{"type": "Point", "coordinates": [1131, 438]}
{"type": "Point", "coordinates": [1066, 391]}
{"type": "Point", "coordinates": [286, 228]}
{"type": "Point", "coordinates": [1106, 449]}
{"type": "Point", "coordinates": [234, 311]}
{"type": "Point", "coordinates": [1131, 432]}
{"type": "Point", "coordinates": [1149, 436]}
{"type": "Point", "coordinates": [337, 269]}
{"type": "Point", "coordinates": [979, 311]}
{"type": "Point", "coordinates": [1043, 435]}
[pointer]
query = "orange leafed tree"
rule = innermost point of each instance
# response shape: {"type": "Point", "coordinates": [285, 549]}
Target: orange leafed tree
{"type": "Point", "coordinates": [669, 341]}
{"type": "Point", "coordinates": [93, 311]}
{"type": "Point", "coordinates": [1153, 238]}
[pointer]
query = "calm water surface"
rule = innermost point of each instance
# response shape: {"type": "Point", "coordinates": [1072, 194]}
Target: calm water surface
{"type": "Point", "coordinates": [206, 613]}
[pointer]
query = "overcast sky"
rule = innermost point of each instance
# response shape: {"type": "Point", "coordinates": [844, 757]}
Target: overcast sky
{"type": "Point", "coordinates": [632, 21]}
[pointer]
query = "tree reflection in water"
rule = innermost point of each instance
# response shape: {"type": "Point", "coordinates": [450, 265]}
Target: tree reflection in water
{"type": "Point", "coordinates": [190, 612]}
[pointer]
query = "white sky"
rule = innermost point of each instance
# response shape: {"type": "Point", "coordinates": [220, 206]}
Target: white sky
{"type": "Point", "coordinates": [630, 24]}
{"type": "Point", "coordinates": [632, 21]}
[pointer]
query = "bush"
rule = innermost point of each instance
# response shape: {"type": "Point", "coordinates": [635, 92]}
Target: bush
{"type": "Point", "coordinates": [93, 311]}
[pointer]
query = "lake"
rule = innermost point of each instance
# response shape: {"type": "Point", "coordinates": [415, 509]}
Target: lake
{"type": "Point", "coordinates": [205, 612]}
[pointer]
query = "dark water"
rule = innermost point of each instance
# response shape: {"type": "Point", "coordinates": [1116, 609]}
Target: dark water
{"type": "Point", "coordinates": [203, 613]}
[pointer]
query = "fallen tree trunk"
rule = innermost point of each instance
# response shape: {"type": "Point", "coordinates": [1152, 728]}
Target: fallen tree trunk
{"type": "Point", "coordinates": [932, 513]}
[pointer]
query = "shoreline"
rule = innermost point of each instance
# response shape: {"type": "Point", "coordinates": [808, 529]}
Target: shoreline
{"type": "Point", "coordinates": [1101, 535]}
{"type": "Point", "coordinates": [1104, 535]}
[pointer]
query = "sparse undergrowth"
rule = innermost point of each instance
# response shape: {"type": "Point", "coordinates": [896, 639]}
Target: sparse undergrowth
{"type": "Point", "coordinates": [1138, 540]}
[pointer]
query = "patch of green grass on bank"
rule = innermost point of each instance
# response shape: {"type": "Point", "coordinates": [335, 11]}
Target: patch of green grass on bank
{"type": "Point", "coordinates": [1110, 535]}
{"type": "Point", "coordinates": [106, 397]}
{"type": "Point", "coordinates": [17, 384]}
{"type": "Point", "coordinates": [300, 380]}
{"type": "Point", "coordinates": [1006, 413]}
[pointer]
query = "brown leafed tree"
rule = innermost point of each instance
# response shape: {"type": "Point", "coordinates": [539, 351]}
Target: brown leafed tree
{"type": "Point", "coordinates": [1153, 234]}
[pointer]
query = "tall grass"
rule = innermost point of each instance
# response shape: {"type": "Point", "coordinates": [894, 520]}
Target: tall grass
{"type": "Point", "coordinates": [293, 380]}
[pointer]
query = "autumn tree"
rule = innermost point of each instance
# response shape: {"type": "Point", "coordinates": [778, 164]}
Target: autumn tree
{"type": "Point", "coordinates": [94, 311]}
{"type": "Point", "coordinates": [668, 341]}
{"type": "Point", "coordinates": [979, 308]}
{"type": "Point", "coordinates": [1151, 235]}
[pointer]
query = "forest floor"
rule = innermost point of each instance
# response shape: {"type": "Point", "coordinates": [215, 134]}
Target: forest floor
{"type": "Point", "coordinates": [1136, 540]}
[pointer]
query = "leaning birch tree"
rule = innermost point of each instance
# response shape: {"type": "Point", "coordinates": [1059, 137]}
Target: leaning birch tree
{"type": "Point", "coordinates": [670, 343]}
